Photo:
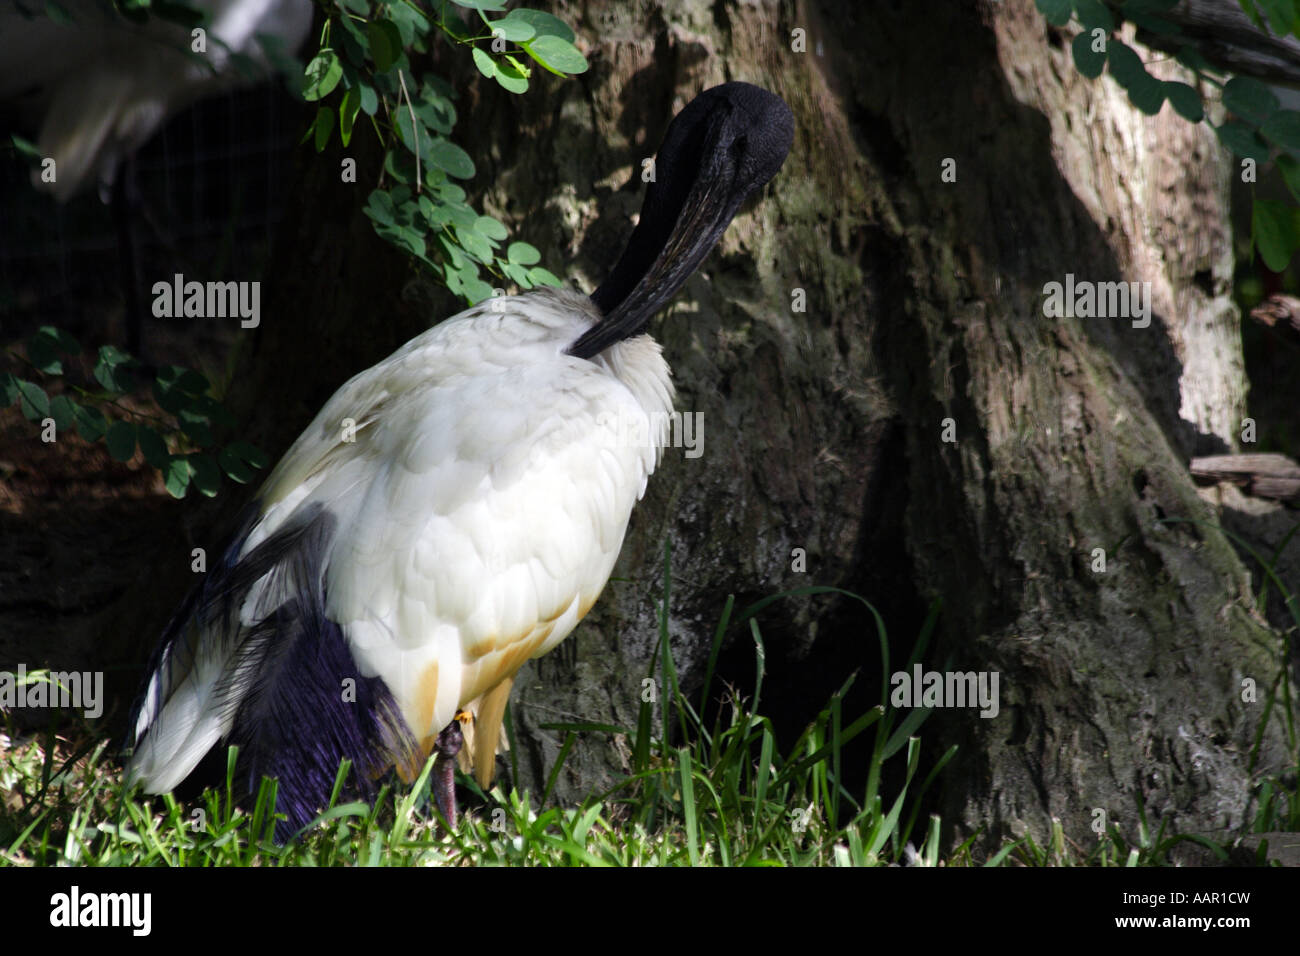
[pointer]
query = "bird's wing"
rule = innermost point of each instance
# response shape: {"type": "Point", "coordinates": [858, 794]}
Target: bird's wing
{"type": "Point", "coordinates": [489, 520]}
{"type": "Point", "coordinates": [450, 513]}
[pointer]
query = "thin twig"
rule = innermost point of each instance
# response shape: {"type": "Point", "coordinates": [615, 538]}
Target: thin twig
{"type": "Point", "coordinates": [415, 129]}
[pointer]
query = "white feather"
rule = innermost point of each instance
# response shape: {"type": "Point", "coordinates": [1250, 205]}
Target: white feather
{"type": "Point", "coordinates": [480, 506]}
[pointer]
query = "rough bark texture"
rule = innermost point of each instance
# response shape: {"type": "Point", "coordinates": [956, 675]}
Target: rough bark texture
{"type": "Point", "coordinates": [825, 429]}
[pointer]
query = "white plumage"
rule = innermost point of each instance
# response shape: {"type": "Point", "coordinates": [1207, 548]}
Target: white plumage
{"type": "Point", "coordinates": [481, 504]}
{"type": "Point", "coordinates": [451, 512]}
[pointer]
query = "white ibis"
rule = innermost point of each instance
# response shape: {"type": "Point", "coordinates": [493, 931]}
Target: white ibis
{"type": "Point", "coordinates": [452, 512]}
{"type": "Point", "coordinates": [102, 84]}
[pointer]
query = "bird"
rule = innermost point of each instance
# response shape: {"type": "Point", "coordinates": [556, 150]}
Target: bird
{"type": "Point", "coordinates": [450, 513]}
{"type": "Point", "coordinates": [100, 85]}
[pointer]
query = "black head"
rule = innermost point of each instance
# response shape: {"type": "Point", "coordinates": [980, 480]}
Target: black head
{"type": "Point", "coordinates": [727, 143]}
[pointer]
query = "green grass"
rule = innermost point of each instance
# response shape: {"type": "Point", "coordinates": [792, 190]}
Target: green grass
{"type": "Point", "coordinates": [700, 793]}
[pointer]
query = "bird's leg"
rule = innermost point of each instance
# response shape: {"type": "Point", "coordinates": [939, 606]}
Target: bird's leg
{"type": "Point", "coordinates": [448, 746]}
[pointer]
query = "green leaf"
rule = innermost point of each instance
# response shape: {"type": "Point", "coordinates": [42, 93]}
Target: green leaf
{"type": "Point", "coordinates": [1058, 12]}
{"type": "Point", "coordinates": [1281, 15]}
{"type": "Point", "coordinates": [1125, 65]}
{"type": "Point", "coordinates": [1192, 59]}
{"type": "Point", "coordinates": [153, 447]}
{"type": "Point", "coordinates": [411, 22]}
{"type": "Point", "coordinates": [451, 193]}
{"type": "Point", "coordinates": [410, 240]}
{"type": "Point", "coordinates": [177, 477]}
{"type": "Point", "coordinates": [26, 147]}
{"type": "Point", "coordinates": [486, 65]}
{"type": "Point", "coordinates": [514, 67]}
{"type": "Point", "coordinates": [1289, 166]}
{"type": "Point", "coordinates": [1283, 128]}
{"type": "Point", "coordinates": [485, 5]}
{"type": "Point", "coordinates": [1250, 99]}
{"type": "Point", "coordinates": [249, 453]}
{"type": "Point", "coordinates": [455, 257]}
{"type": "Point", "coordinates": [487, 226]}
{"type": "Point", "coordinates": [64, 411]}
{"type": "Point", "coordinates": [1149, 97]}
{"type": "Point", "coordinates": [185, 379]}
{"type": "Point", "coordinates": [324, 126]}
{"type": "Point", "coordinates": [512, 84]}
{"type": "Point", "coordinates": [43, 352]}
{"type": "Point", "coordinates": [195, 428]}
{"type": "Point", "coordinates": [1275, 232]}
{"type": "Point", "coordinates": [379, 207]}
{"type": "Point", "coordinates": [512, 29]}
{"type": "Point", "coordinates": [1185, 100]}
{"type": "Point", "coordinates": [1086, 60]}
{"type": "Point", "coordinates": [204, 406]}
{"type": "Point", "coordinates": [1242, 140]}
{"type": "Point", "coordinates": [66, 342]}
{"type": "Point", "coordinates": [450, 158]}
{"type": "Point", "coordinates": [121, 440]}
{"type": "Point", "coordinates": [475, 245]}
{"type": "Point", "coordinates": [356, 47]}
{"type": "Point", "coordinates": [91, 424]}
{"type": "Point", "coordinates": [1157, 25]}
{"type": "Point", "coordinates": [59, 13]}
{"type": "Point", "coordinates": [369, 98]}
{"type": "Point", "coordinates": [206, 474]}
{"type": "Point", "coordinates": [512, 75]}
{"type": "Point", "coordinates": [456, 28]}
{"type": "Point", "coordinates": [541, 276]}
{"type": "Point", "coordinates": [559, 56]}
{"type": "Point", "coordinates": [348, 110]}
{"type": "Point", "coordinates": [175, 387]}
{"type": "Point", "coordinates": [112, 369]}
{"type": "Point", "coordinates": [412, 133]}
{"type": "Point", "coordinates": [234, 466]}
{"type": "Point", "coordinates": [1092, 13]}
{"type": "Point", "coordinates": [521, 253]}
{"type": "Point", "coordinates": [546, 24]}
{"type": "Point", "coordinates": [33, 401]}
{"type": "Point", "coordinates": [476, 290]}
{"type": "Point", "coordinates": [435, 110]}
{"type": "Point", "coordinates": [385, 44]}
{"type": "Point", "coordinates": [1249, 7]}
{"type": "Point", "coordinates": [322, 75]}
{"type": "Point", "coordinates": [517, 274]}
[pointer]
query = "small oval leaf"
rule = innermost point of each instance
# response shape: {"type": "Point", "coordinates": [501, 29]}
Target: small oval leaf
{"type": "Point", "coordinates": [121, 441]}
{"type": "Point", "coordinates": [322, 75]}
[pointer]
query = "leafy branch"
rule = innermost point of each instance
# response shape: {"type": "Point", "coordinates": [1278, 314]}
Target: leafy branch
{"type": "Point", "coordinates": [1261, 131]}
{"type": "Point", "coordinates": [364, 66]}
{"type": "Point", "coordinates": [173, 443]}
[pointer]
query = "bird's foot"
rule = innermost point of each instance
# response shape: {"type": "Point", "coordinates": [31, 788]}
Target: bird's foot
{"type": "Point", "coordinates": [450, 740]}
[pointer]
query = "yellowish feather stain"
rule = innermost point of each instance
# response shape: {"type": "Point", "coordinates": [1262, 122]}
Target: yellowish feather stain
{"type": "Point", "coordinates": [485, 697]}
